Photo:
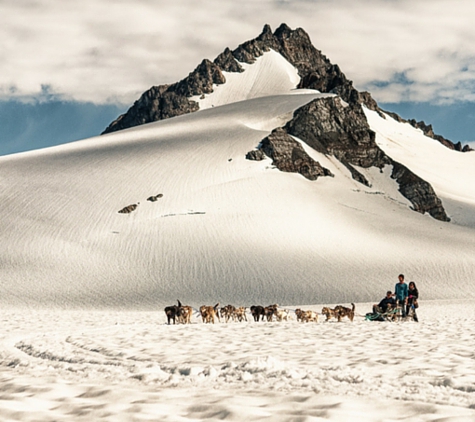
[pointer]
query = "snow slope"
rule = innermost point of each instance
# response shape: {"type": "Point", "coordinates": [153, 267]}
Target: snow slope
{"type": "Point", "coordinates": [226, 229]}
{"type": "Point", "coordinates": [271, 74]}
{"type": "Point", "coordinates": [449, 172]}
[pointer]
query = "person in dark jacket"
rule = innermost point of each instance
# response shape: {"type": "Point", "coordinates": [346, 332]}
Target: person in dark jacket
{"type": "Point", "coordinates": [412, 296]}
{"type": "Point", "coordinates": [382, 306]}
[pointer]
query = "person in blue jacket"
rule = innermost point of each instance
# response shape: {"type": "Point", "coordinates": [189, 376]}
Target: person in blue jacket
{"type": "Point", "coordinates": [401, 293]}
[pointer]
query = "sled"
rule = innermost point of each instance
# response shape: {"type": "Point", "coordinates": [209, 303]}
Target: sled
{"type": "Point", "coordinates": [392, 314]}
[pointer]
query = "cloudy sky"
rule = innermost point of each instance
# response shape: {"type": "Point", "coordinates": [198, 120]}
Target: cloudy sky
{"type": "Point", "coordinates": [68, 68]}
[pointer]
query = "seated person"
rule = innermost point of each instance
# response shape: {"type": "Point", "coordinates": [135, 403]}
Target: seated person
{"type": "Point", "coordinates": [387, 302]}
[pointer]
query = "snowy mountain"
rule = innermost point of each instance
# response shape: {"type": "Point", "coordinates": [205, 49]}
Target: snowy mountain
{"type": "Point", "coordinates": [274, 182]}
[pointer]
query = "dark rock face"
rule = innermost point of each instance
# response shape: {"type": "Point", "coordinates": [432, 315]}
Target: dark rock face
{"type": "Point", "coordinates": [226, 62]}
{"type": "Point", "coordinates": [166, 101]}
{"type": "Point", "coordinates": [332, 127]}
{"type": "Point", "coordinates": [200, 81]}
{"type": "Point", "coordinates": [335, 128]}
{"type": "Point", "coordinates": [157, 103]}
{"type": "Point", "coordinates": [315, 70]}
{"type": "Point", "coordinates": [255, 155]}
{"type": "Point", "coordinates": [418, 191]}
{"type": "Point", "coordinates": [288, 155]}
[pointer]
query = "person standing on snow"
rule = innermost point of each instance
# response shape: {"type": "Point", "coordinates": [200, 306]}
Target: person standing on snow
{"type": "Point", "coordinates": [401, 293]}
{"type": "Point", "coordinates": [413, 295]}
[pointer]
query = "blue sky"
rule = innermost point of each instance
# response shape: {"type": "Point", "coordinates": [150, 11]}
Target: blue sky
{"type": "Point", "coordinates": [67, 69]}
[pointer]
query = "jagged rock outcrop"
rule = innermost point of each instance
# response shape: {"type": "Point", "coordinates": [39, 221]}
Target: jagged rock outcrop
{"type": "Point", "coordinates": [418, 191]}
{"type": "Point", "coordinates": [314, 68]}
{"type": "Point", "coordinates": [227, 62]}
{"type": "Point", "coordinates": [166, 101]}
{"type": "Point", "coordinates": [335, 128]}
{"type": "Point", "coordinates": [200, 81]}
{"type": "Point", "coordinates": [316, 72]}
{"type": "Point", "coordinates": [255, 155]}
{"type": "Point", "coordinates": [158, 103]}
{"type": "Point", "coordinates": [332, 127]}
{"type": "Point", "coordinates": [429, 131]}
{"type": "Point", "coordinates": [288, 155]}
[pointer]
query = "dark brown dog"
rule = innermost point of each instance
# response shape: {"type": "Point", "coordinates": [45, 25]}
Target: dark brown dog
{"type": "Point", "coordinates": [270, 311]}
{"type": "Point", "coordinates": [257, 311]}
{"type": "Point", "coordinates": [171, 312]}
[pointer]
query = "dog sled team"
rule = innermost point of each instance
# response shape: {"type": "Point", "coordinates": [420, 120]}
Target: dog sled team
{"type": "Point", "coordinates": [400, 304]}
{"type": "Point", "coordinates": [181, 314]}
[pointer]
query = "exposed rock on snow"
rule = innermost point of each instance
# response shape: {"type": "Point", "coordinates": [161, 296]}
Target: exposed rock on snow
{"type": "Point", "coordinates": [335, 128]}
{"type": "Point", "coordinates": [255, 155]}
{"type": "Point", "coordinates": [227, 62]}
{"type": "Point", "coordinates": [154, 198]}
{"type": "Point", "coordinates": [332, 127]}
{"type": "Point", "coordinates": [288, 155]}
{"type": "Point", "coordinates": [419, 192]}
{"type": "Point", "coordinates": [158, 103]}
{"type": "Point", "coordinates": [128, 209]}
{"type": "Point", "coordinates": [201, 80]}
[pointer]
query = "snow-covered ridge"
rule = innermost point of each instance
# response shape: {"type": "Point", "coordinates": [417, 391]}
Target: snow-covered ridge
{"type": "Point", "coordinates": [448, 171]}
{"type": "Point", "coordinates": [271, 74]}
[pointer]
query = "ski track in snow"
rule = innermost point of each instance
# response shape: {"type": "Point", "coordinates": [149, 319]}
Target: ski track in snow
{"type": "Point", "coordinates": [111, 365]}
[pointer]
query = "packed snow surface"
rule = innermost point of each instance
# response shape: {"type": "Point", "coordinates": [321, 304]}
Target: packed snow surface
{"type": "Point", "coordinates": [123, 366]}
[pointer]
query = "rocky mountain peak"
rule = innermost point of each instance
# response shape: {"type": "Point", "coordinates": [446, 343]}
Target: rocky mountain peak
{"type": "Point", "coordinates": [315, 70]}
{"type": "Point", "coordinates": [334, 125]}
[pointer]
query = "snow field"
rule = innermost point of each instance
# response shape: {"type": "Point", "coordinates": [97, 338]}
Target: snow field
{"type": "Point", "coordinates": [107, 365]}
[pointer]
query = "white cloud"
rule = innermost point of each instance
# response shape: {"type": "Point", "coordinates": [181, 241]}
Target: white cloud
{"type": "Point", "coordinates": [109, 51]}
